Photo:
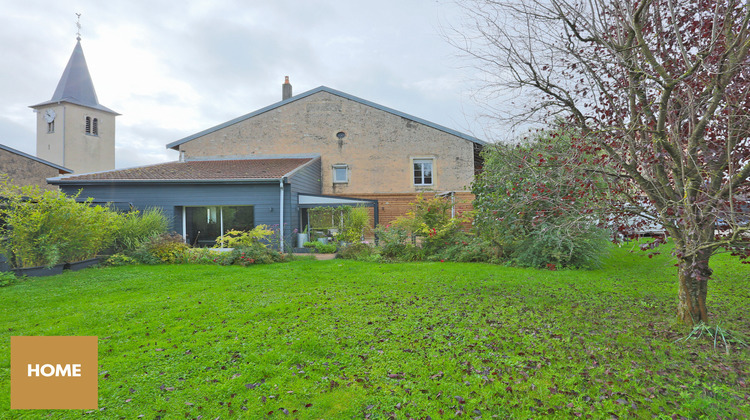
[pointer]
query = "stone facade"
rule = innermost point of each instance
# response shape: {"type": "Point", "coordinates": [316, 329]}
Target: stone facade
{"type": "Point", "coordinates": [378, 147]}
{"type": "Point", "coordinates": [23, 170]}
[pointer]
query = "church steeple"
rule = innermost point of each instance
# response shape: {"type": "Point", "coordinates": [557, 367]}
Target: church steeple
{"type": "Point", "coordinates": [75, 85]}
{"type": "Point", "coordinates": [73, 129]}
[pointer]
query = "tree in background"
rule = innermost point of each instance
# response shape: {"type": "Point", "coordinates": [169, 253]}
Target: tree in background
{"type": "Point", "coordinates": [540, 201]}
{"type": "Point", "coordinates": [661, 87]}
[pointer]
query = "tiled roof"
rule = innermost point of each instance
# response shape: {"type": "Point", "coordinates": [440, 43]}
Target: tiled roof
{"type": "Point", "coordinates": [199, 170]}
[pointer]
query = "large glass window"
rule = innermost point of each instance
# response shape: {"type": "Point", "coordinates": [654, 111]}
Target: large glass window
{"type": "Point", "coordinates": [205, 224]}
{"type": "Point", "coordinates": [422, 171]}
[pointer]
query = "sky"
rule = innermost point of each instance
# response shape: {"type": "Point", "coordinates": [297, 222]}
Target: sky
{"type": "Point", "coordinates": [175, 69]}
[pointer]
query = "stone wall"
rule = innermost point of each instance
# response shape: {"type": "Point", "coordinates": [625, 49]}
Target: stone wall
{"type": "Point", "coordinates": [377, 146]}
{"type": "Point", "coordinates": [24, 171]}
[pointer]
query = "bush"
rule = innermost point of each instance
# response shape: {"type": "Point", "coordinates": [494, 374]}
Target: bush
{"type": "Point", "coordinates": [322, 248]}
{"type": "Point", "coordinates": [256, 254]}
{"type": "Point", "coordinates": [7, 278]}
{"type": "Point", "coordinates": [241, 238]}
{"type": "Point", "coordinates": [48, 228]}
{"type": "Point", "coordinates": [395, 245]}
{"type": "Point", "coordinates": [167, 248]}
{"type": "Point", "coordinates": [134, 228]}
{"type": "Point", "coordinates": [359, 251]}
{"type": "Point", "coordinates": [538, 201]}
{"type": "Point", "coordinates": [356, 225]}
{"type": "Point", "coordinates": [551, 246]}
{"type": "Point", "coordinates": [116, 260]}
{"type": "Point", "coordinates": [467, 248]}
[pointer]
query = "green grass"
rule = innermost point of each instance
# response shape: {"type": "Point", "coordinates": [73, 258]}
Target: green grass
{"type": "Point", "coordinates": [343, 339]}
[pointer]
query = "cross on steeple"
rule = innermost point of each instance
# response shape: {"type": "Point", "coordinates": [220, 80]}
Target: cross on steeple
{"type": "Point", "coordinates": [78, 25]}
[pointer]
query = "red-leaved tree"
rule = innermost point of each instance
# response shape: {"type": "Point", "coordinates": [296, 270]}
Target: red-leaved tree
{"type": "Point", "coordinates": [661, 88]}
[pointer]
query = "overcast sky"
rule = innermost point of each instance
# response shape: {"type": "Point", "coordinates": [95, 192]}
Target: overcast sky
{"type": "Point", "coordinates": [172, 70]}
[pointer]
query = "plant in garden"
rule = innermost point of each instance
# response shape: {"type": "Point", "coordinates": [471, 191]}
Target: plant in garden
{"type": "Point", "coordinates": [356, 225]}
{"type": "Point", "coordinates": [256, 254]}
{"type": "Point", "coordinates": [239, 238]}
{"type": "Point", "coordinates": [167, 248]}
{"type": "Point", "coordinates": [661, 88]}
{"type": "Point", "coordinates": [431, 220]}
{"type": "Point", "coordinates": [47, 228]}
{"type": "Point", "coordinates": [540, 204]}
{"type": "Point", "coordinates": [394, 243]}
{"type": "Point", "coordinates": [135, 227]}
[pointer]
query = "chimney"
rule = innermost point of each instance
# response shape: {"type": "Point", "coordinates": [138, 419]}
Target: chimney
{"type": "Point", "coordinates": [286, 89]}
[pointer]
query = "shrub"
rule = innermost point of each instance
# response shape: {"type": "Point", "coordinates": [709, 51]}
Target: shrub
{"type": "Point", "coordinates": [310, 244]}
{"type": "Point", "coordinates": [467, 248]}
{"type": "Point", "coordinates": [552, 246]}
{"type": "Point", "coordinates": [256, 254]}
{"type": "Point", "coordinates": [241, 238]}
{"type": "Point", "coordinates": [356, 225]}
{"type": "Point", "coordinates": [322, 248]}
{"type": "Point", "coordinates": [116, 260]}
{"type": "Point", "coordinates": [134, 228]}
{"type": "Point", "coordinates": [359, 251]}
{"type": "Point", "coordinates": [395, 245]}
{"type": "Point", "coordinates": [7, 278]}
{"type": "Point", "coordinates": [165, 248]}
{"type": "Point", "coordinates": [47, 228]}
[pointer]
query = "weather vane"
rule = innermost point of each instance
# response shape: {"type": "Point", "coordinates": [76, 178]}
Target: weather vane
{"type": "Point", "coordinates": [78, 25]}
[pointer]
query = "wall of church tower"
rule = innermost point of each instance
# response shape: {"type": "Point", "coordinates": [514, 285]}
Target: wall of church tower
{"type": "Point", "coordinates": [70, 145]}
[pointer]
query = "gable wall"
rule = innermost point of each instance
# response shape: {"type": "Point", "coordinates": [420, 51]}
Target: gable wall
{"type": "Point", "coordinates": [24, 171]}
{"type": "Point", "coordinates": [378, 146]}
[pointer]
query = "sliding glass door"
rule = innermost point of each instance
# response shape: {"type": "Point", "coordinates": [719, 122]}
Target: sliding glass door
{"type": "Point", "coordinates": [204, 225]}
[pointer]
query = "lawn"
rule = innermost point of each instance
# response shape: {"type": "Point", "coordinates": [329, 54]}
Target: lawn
{"type": "Point", "coordinates": [344, 339]}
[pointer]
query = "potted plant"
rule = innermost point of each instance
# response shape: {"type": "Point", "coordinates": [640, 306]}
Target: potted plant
{"type": "Point", "coordinates": [303, 237]}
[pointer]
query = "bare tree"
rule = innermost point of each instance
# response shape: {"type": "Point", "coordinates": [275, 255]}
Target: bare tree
{"type": "Point", "coordinates": [662, 87]}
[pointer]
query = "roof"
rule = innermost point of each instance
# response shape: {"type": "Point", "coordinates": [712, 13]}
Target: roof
{"type": "Point", "coordinates": [26, 155]}
{"type": "Point", "coordinates": [75, 85]}
{"type": "Point", "coordinates": [174, 145]}
{"type": "Point", "coordinates": [228, 170]}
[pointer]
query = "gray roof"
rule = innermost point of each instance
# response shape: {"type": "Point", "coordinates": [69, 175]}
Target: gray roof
{"type": "Point", "coordinates": [26, 155]}
{"type": "Point", "coordinates": [75, 85]}
{"type": "Point", "coordinates": [174, 145]}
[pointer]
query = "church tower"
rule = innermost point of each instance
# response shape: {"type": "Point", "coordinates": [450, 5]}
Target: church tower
{"type": "Point", "coordinates": [73, 129]}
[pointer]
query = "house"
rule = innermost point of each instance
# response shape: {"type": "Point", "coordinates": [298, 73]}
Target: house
{"type": "Point", "coordinates": [24, 169]}
{"type": "Point", "coordinates": [322, 147]}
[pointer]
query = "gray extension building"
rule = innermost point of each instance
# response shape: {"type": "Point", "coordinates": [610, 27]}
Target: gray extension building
{"type": "Point", "coordinates": [207, 197]}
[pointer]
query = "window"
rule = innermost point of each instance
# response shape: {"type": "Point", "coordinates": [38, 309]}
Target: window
{"type": "Point", "coordinates": [51, 127]}
{"type": "Point", "coordinates": [92, 126]}
{"type": "Point", "coordinates": [422, 171]}
{"type": "Point", "coordinates": [340, 174]}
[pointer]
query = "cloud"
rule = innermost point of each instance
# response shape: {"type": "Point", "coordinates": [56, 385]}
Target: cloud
{"type": "Point", "coordinates": [174, 69]}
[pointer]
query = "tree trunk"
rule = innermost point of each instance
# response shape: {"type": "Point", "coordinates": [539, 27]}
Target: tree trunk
{"type": "Point", "coordinates": [694, 274]}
